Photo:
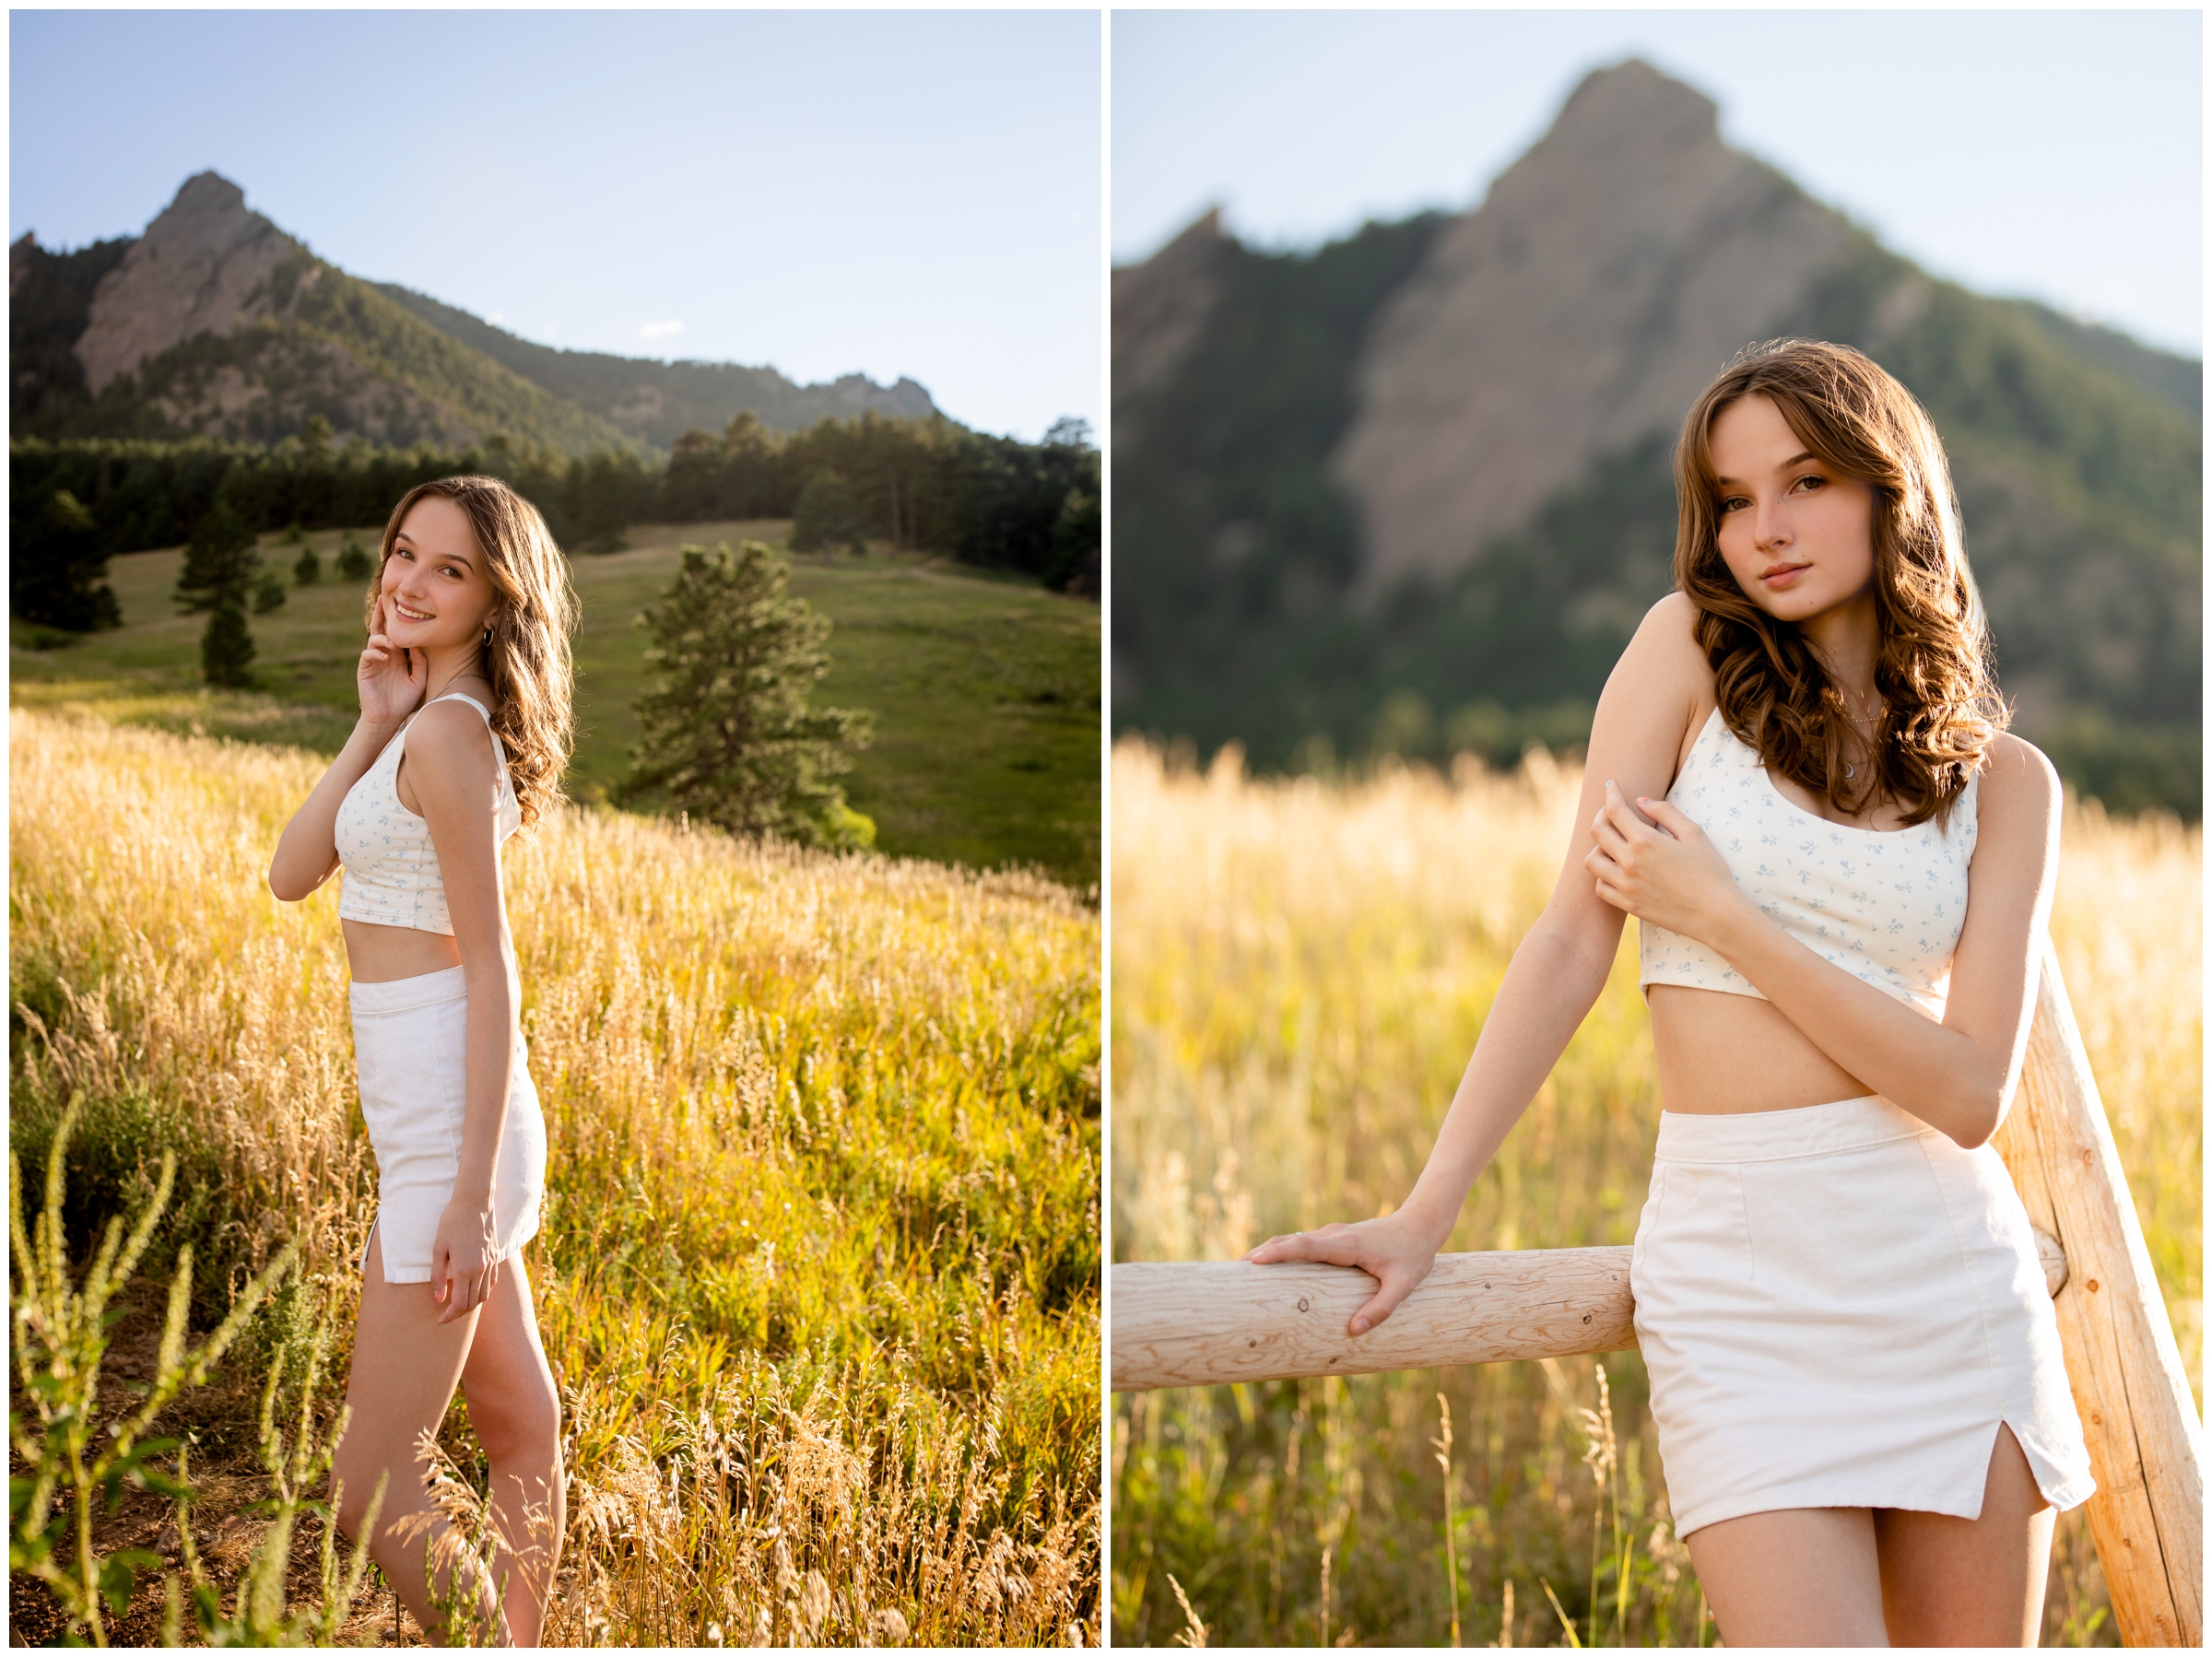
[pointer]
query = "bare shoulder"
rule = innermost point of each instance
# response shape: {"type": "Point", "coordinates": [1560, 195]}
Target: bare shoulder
{"type": "Point", "coordinates": [450, 739]}
{"type": "Point", "coordinates": [1656, 694]}
{"type": "Point", "coordinates": [2017, 781]}
{"type": "Point", "coordinates": [1664, 666]}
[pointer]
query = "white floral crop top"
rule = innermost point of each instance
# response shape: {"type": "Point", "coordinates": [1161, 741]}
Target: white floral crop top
{"type": "Point", "coordinates": [1885, 907]}
{"type": "Point", "coordinates": [392, 874]}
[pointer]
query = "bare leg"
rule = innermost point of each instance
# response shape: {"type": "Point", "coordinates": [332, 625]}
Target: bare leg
{"type": "Point", "coordinates": [515, 1409]}
{"type": "Point", "coordinates": [1949, 1582]}
{"type": "Point", "coordinates": [1795, 1577]}
{"type": "Point", "coordinates": [405, 1367]}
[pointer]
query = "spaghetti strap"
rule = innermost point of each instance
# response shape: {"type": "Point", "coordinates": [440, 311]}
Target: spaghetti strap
{"type": "Point", "coordinates": [463, 695]}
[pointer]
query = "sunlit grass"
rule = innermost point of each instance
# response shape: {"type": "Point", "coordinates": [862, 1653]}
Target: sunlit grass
{"type": "Point", "coordinates": [818, 1275]}
{"type": "Point", "coordinates": [1299, 973]}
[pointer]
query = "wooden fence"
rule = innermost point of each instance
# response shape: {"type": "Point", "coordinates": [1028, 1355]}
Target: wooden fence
{"type": "Point", "coordinates": [1183, 1323]}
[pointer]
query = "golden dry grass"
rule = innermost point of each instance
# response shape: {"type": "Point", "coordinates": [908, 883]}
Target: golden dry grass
{"type": "Point", "coordinates": [818, 1275]}
{"type": "Point", "coordinates": [1299, 971]}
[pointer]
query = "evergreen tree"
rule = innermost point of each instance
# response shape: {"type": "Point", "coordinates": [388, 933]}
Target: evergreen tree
{"type": "Point", "coordinates": [226, 647]}
{"type": "Point", "coordinates": [728, 731]}
{"type": "Point", "coordinates": [308, 570]}
{"type": "Point", "coordinates": [827, 514]}
{"type": "Point", "coordinates": [354, 562]}
{"type": "Point", "coordinates": [57, 571]}
{"type": "Point", "coordinates": [219, 560]}
{"type": "Point", "coordinates": [269, 593]}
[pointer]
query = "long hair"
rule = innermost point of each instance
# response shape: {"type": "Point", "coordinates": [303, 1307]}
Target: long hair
{"type": "Point", "coordinates": [527, 659]}
{"type": "Point", "coordinates": [1932, 669]}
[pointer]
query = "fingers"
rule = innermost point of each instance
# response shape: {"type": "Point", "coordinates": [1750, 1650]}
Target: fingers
{"type": "Point", "coordinates": [1298, 1245]}
{"type": "Point", "coordinates": [1393, 1288]}
{"type": "Point", "coordinates": [1668, 817]}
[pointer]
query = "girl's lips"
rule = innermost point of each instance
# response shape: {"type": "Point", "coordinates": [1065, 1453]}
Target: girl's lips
{"type": "Point", "coordinates": [1782, 573]}
{"type": "Point", "coordinates": [401, 611]}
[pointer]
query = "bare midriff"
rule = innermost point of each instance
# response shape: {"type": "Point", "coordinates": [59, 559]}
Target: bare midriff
{"type": "Point", "coordinates": [377, 953]}
{"type": "Point", "coordinates": [1726, 1055]}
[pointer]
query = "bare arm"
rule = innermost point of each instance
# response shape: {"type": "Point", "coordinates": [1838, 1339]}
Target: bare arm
{"type": "Point", "coordinates": [454, 775]}
{"type": "Point", "coordinates": [1957, 1075]}
{"type": "Point", "coordinates": [1554, 978]}
{"type": "Point", "coordinates": [391, 684]}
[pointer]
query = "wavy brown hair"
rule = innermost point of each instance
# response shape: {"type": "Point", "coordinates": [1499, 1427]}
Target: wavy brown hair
{"type": "Point", "coordinates": [1940, 706]}
{"type": "Point", "coordinates": [527, 660]}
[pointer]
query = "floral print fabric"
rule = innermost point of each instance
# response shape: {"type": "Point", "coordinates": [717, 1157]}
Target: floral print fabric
{"type": "Point", "coordinates": [1887, 908]}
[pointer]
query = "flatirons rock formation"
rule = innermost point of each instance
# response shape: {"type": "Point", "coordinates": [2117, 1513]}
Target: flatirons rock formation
{"type": "Point", "coordinates": [202, 266]}
{"type": "Point", "coordinates": [1160, 309]}
{"type": "Point", "coordinates": [1613, 271]}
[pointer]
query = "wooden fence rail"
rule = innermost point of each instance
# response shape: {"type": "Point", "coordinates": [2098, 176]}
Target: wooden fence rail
{"type": "Point", "coordinates": [1200, 1324]}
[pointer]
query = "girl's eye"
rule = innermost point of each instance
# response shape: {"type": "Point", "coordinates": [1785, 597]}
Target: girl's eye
{"type": "Point", "coordinates": [1814, 478]}
{"type": "Point", "coordinates": [1730, 504]}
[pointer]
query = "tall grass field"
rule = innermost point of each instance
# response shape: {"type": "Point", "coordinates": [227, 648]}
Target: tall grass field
{"type": "Point", "coordinates": [1300, 972]}
{"type": "Point", "coordinates": [986, 689]}
{"type": "Point", "coordinates": [818, 1275]}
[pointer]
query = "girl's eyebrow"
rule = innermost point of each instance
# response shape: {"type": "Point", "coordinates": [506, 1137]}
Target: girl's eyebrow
{"type": "Point", "coordinates": [456, 557]}
{"type": "Point", "coordinates": [1802, 454]}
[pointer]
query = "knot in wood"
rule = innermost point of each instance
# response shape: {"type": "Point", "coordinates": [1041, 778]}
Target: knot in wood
{"type": "Point", "coordinates": [1304, 1306]}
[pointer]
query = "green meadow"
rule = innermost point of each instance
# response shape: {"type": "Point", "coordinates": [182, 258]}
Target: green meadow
{"type": "Point", "coordinates": [985, 690]}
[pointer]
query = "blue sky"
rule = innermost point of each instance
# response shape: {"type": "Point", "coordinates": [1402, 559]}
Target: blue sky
{"type": "Point", "coordinates": [891, 193]}
{"type": "Point", "coordinates": [2047, 154]}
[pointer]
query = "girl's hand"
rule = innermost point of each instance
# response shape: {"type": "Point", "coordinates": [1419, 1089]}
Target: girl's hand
{"type": "Point", "coordinates": [1393, 1250]}
{"type": "Point", "coordinates": [1667, 874]}
{"type": "Point", "coordinates": [391, 678]}
{"type": "Point", "coordinates": [462, 1272]}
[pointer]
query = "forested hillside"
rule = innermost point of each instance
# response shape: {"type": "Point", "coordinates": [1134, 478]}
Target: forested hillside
{"type": "Point", "coordinates": [656, 402]}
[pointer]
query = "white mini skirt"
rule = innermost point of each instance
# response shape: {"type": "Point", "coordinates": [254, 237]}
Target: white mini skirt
{"type": "Point", "coordinates": [1837, 1306]}
{"type": "Point", "coordinates": [410, 1043]}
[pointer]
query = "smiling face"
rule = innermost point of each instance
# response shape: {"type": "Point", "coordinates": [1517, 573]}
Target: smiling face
{"type": "Point", "coordinates": [1795, 532]}
{"type": "Point", "coordinates": [436, 588]}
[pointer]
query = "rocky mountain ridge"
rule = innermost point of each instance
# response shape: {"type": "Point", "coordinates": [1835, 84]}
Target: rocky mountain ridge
{"type": "Point", "coordinates": [215, 322]}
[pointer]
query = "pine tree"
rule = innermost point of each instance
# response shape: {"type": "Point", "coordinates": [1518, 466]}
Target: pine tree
{"type": "Point", "coordinates": [728, 731]}
{"type": "Point", "coordinates": [226, 647]}
{"type": "Point", "coordinates": [827, 514]}
{"type": "Point", "coordinates": [57, 571]}
{"type": "Point", "coordinates": [354, 562]}
{"type": "Point", "coordinates": [269, 593]}
{"type": "Point", "coordinates": [219, 560]}
{"type": "Point", "coordinates": [308, 569]}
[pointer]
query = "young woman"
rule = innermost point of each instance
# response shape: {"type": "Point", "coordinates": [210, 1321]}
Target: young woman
{"type": "Point", "coordinates": [1799, 784]}
{"type": "Point", "coordinates": [464, 730]}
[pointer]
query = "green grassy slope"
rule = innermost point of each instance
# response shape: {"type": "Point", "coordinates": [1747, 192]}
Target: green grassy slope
{"type": "Point", "coordinates": [985, 692]}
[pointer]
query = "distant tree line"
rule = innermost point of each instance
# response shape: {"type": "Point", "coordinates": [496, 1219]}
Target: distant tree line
{"type": "Point", "coordinates": [933, 486]}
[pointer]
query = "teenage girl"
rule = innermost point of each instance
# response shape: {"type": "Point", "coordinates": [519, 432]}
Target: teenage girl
{"type": "Point", "coordinates": [464, 733]}
{"type": "Point", "coordinates": [1798, 782]}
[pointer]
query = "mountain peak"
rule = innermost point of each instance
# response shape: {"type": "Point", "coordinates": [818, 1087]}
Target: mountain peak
{"type": "Point", "coordinates": [196, 270]}
{"type": "Point", "coordinates": [1483, 386]}
{"type": "Point", "coordinates": [1633, 103]}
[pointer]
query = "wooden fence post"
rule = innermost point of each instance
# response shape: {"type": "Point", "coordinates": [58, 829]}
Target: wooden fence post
{"type": "Point", "coordinates": [2137, 1411]}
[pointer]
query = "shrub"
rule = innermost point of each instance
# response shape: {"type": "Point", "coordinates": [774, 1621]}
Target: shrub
{"type": "Point", "coordinates": [308, 569]}
{"type": "Point", "coordinates": [354, 562]}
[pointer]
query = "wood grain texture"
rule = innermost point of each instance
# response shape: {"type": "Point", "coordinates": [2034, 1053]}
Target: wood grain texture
{"type": "Point", "coordinates": [1198, 1323]}
{"type": "Point", "coordinates": [1201, 1323]}
{"type": "Point", "coordinates": [2133, 1395]}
